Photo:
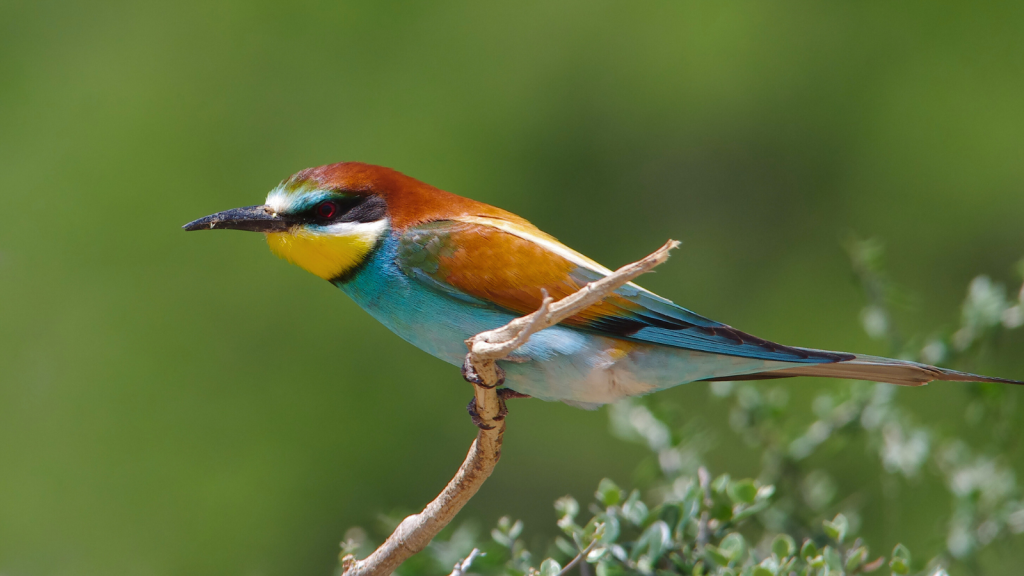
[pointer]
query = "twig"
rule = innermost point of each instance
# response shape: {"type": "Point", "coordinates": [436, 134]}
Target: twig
{"type": "Point", "coordinates": [500, 342]}
{"type": "Point", "coordinates": [416, 531]}
{"type": "Point", "coordinates": [461, 567]}
{"type": "Point", "coordinates": [579, 557]}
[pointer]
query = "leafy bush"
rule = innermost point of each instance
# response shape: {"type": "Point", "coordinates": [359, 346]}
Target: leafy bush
{"type": "Point", "coordinates": [790, 519]}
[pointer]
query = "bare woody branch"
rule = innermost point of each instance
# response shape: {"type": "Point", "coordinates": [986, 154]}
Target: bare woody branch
{"type": "Point", "coordinates": [416, 531]}
{"type": "Point", "coordinates": [463, 566]}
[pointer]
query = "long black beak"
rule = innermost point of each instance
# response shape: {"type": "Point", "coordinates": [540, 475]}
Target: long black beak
{"type": "Point", "coordinates": [252, 218]}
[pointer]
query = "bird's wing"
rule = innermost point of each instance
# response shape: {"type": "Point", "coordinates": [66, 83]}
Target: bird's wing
{"type": "Point", "coordinates": [502, 263]}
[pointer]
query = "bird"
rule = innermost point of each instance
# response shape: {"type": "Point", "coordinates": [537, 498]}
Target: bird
{"type": "Point", "coordinates": [437, 268]}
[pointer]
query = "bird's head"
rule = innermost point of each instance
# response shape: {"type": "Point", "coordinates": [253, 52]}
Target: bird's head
{"type": "Point", "coordinates": [328, 220]}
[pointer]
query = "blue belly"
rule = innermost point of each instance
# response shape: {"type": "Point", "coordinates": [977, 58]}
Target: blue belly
{"type": "Point", "coordinates": [559, 363]}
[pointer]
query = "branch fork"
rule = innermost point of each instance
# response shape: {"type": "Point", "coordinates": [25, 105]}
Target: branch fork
{"type": "Point", "coordinates": [481, 368]}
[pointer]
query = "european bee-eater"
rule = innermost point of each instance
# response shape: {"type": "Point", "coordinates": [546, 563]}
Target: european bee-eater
{"type": "Point", "coordinates": [437, 268]}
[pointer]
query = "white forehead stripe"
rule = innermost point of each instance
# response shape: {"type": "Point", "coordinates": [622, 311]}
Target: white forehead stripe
{"type": "Point", "coordinates": [279, 200]}
{"type": "Point", "coordinates": [283, 200]}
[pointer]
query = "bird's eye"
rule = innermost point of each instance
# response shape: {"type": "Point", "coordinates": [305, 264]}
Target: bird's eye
{"type": "Point", "coordinates": [327, 210]}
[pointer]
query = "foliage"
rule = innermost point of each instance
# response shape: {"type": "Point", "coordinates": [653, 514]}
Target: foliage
{"type": "Point", "coordinates": [790, 520]}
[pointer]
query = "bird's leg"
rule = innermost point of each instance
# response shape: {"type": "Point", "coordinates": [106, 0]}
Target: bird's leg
{"type": "Point", "coordinates": [503, 394]}
{"type": "Point", "coordinates": [469, 373]}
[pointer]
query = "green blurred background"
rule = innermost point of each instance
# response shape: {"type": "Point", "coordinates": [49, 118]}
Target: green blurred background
{"type": "Point", "coordinates": [174, 403]}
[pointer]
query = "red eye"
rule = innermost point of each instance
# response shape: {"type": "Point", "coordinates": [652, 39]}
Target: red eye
{"type": "Point", "coordinates": [327, 210]}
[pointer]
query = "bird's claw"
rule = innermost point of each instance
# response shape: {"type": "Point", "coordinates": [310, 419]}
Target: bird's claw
{"type": "Point", "coordinates": [471, 408]}
{"type": "Point", "coordinates": [470, 375]}
{"type": "Point", "coordinates": [503, 394]}
{"type": "Point", "coordinates": [508, 394]}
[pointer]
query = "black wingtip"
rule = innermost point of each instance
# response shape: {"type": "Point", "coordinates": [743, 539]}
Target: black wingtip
{"type": "Point", "coordinates": [997, 380]}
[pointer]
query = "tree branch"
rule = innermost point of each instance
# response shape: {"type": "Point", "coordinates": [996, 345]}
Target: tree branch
{"type": "Point", "coordinates": [485, 349]}
{"type": "Point", "coordinates": [576, 560]}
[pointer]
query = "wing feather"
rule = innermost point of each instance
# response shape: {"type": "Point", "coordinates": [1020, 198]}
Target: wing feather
{"type": "Point", "coordinates": [507, 264]}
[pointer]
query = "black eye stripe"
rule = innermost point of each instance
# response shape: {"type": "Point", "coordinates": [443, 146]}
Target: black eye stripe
{"type": "Point", "coordinates": [348, 209]}
{"type": "Point", "coordinates": [371, 209]}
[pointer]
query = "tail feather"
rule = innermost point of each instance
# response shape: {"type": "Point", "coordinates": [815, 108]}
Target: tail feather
{"type": "Point", "coordinates": [877, 369]}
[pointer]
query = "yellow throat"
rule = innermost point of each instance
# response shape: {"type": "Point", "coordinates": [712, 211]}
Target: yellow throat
{"type": "Point", "coordinates": [328, 252]}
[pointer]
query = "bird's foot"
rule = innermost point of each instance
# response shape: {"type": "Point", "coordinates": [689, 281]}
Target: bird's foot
{"type": "Point", "coordinates": [469, 373]}
{"type": "Point", "coordinates": [503, 394]}
{"type": "Point", "coordinates": [475, 415]}
{"type": "Point", "coordinates": [508, 394]}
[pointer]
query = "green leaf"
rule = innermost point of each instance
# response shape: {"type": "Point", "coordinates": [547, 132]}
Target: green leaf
{"type": "Point", "coordinates": [761, 571]}
{"type": "Point", "coordinates": [733, 546]}
{"type": "Point", "coordinates": [899, 566]}
{"type": "Point", "coordinates": [837, 528]}
{"type": "Point", "coordinates": [808, 550]}
{"type": "Point", "coordinates": [720, 484]}
{"type": "Point", "coordinates": [568, 526]}
{"type": "Point", "coordinates": [609, 569]}
{"type": "Point", "coordinates": [611, 529]}
{"type": "Point", "coordinates": [900, 563]}
{"type": "Point", "coordinates": [748, 511]}
{"type": "Point", "coordinates": [565, 547]}
{"type": "Point", "coordinates": [656, 539]}
{"type": "Point", "coordinates": [515, 530]}
{"type": "Point", "coordinates": [742, 491]}
{"type": "Point", "coordinates": [721, 511]}
{"type": "Point", "coordinates": [714, 554]}
{"type": "Point", "coordinates": [501, 538]}
{"type": "Point", "coordinates": [691, 503]}
{"type": "Point", "coordinates": [567, 506]}
{"type": "Point", "coordinates": [634, 509]}
{"type": "Point", "coordinates": [669, 512]}
{"type": "Point", "coordinates": [594, 528]}
{"type": "Point", "coordinates": [832, 558]}
{"type": "Point", "coordinates": [608, 492]}
{"type": "Point", "coordinates": [856, 558]}
{"type": "Point", "coordinates": [873, 565]}
{"type": "Point", "coordinates": [550, 567]}
{"type": "Point", "coordinates": [596, 554]}
{"type": "Point", "coordinates": [783, 546]}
